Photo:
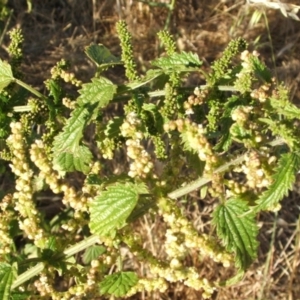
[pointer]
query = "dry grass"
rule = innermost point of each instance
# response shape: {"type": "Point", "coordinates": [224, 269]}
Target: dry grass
{"type": "Point", "coordinates": [62, 28]}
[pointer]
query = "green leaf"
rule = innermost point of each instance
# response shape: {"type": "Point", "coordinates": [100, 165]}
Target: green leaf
{"type": "Point", "coordinates": [92, 253]}
{"type": "Point", "coordinates": [284, 178]}
{"type": "Point", "coordinates": [68, 154]}
{"type": "Point", "coordinates": [112, 129]}
{"type": "Point", "coordinates": [281, 129]}
{"type": "Point", "coordinates": [285, 108]}
{"type": "Point", "coordinates": [20, 295]}
{"type": "Point", "coordinates": [118, 284]}
{"type": "Point", "coordinates": [152, 118]}
{"type": "Point", "coordinates": [224, 143]}
{"type": "Point", "coordinates": [190, 141]}
{"type": "Point", "coordinates": [6, 75]}
{"type": "Point", "coordinates": [195, 163]}
{"type": "Point", "coordinates": [142, 207]}
{"type": "Point", "coordinates": [233, 280]}
{"type": "Point", "coordinates": [150, 76]}
{"type": "Point", "coordinates": [239, 133]}
{"type": "Point", "coordinates": [94, 179]}
{"type": "Point", "coordinates": [101, 56]}
{"type": "Point", "coordinates": [176, 61]}
{"type": "Point", "coordinates": [238, 230]}
{"type": "Point", "coordinates": [260, 69]}
{"type": "Point", "coordinates": [56, 91]}
{"type": "Point", "coordinates": [8, 274]}
{"type": "Point", "coordinates": [100, 91]}
{"type": "Point", "coordinates": [110, 210]}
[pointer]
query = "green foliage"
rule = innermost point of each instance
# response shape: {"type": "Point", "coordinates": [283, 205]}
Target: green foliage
{"type": "Point", "coordinates": [92, 253]}
{"type": "Point", "coordinates": [99, 91]}
{"type": "Point", "coordinates": [167, 41]}
{"type": "Point", "coordinates": [6, 75]}
{"type": "Point", "coordinates": [15, 50]}
{"type": "Point", "coordinates": [283, 179]}
{"type": "Point", "coordinates": [127, 53]}
{"type": "Point", "coordinates": [110, 210]}
{"type": "Point", "coordinates": [119, 152]}
{"type": "Point", "coordinates": [222, 67]}
{"type": "Point", "coordinates": [177, 62]}
{"type": "Point", "coordinates": [118, 284]}
{"type": "Point", "coordinates": [101, 56]}
{"type": "Point", "coordinates": [8, 274]}
{"type": "Point", "coordinates": [238, 230]}
{"type": "Point", "coordinates": [260, 69]}
{"type": "Point", "coordinates": [68, 152]}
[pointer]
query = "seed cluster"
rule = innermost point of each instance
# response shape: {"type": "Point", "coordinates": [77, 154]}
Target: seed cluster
{"type": "Point", "coordinates": [141, 163]}
{"type": "Point", "coordinates": [262, 93]}
{"type": "Point", "coordinates": [194, 137]}
{"type": "Point", "coordinates": [59, 71]}
{"type": "Point", "coordinates": [44, 285]}
{"type": "Point", "coordinates": [257, 168]}
{"type": "Point", "coordinates": [141, 166]}
{"type": "Point", "coordinates": [195, 140]}
{"type": "Point", "coordinates": [29, 220]}
{"type": "Point", "coordinates": [197, 99]}
{"type": "Point", "coordinates": [179, 225]}
{"type": "Point", "coordinates": [67, 102]}
{"type": "Point", "coordinates": [52, 178]}
{"type": "Point", "coordinates": [180, 237]}
{"type": "Point", "coordinates": [149, 285]}
{"type": "Point", "coordinates": [6, 216]}
{"type": "Point", "coordinates": [246, 126]}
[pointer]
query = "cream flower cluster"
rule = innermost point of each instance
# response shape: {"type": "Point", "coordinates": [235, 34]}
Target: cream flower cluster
{"type": "Point", "coordinates": [29, 220]}
{"type": "Point", "coordinates": [71, 197]}
{"type": "Point", "coordinates": [192, 240]}
{"type": "Point", "coordinates": [244, 77]}
{"type": "Point", "coordinates": [149, 285]}
{"type": "Point", "coordinates": [58, 72]}
{"type": "Point", "coordinates": [193, 100]}
{"type": "Point", "coordinates": [6, 215]}
{"type": "Point", "coordinates": [141, 164]}
{"type": "Point", "coordinates": [43, 286]}
{"type": "Point", "coordinates": [195, 139]}
{"type": "Point", "coordinates": [261, 94]}
{"type": "Point", "coordinates": [254, 168]}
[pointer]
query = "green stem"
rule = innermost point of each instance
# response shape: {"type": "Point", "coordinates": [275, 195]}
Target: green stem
{"type": "Point", "coordinates": [93, 239]}
{"type": "Point", "coordinates": [160, 93]}
{"type": "Point", "coordinates": [28, 274]}
{"type": "Point", "coordinates": [22, 108]}
{"type": "Point", "coordinates": [29, 88]}
{"type": "Point", "coordinates": [204, 180]}
{"type": "Point", "coordinates": [6, 26]}
{"type": "Point", "coordinates": [171, 8]}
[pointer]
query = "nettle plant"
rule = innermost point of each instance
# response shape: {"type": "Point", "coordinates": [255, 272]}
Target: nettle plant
{"type": "Point", "coordinates": [119, 151]}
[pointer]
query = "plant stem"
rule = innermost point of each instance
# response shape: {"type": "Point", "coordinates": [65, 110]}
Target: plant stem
{"type": "Point", "coordinates": [29, 88]}
{"type": "Point", "coordinates": [121, 97]}
{"type": "Point", "coordinates": [22, 108]}
{"type": "Point", "coordinates": [93, 239]}
{"type": "Point", "coordinates": [28, 274]}
{"type": "Point", "coordinates": [171, 8]}
{"type": "Point", "coordinates": [204, 180]}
